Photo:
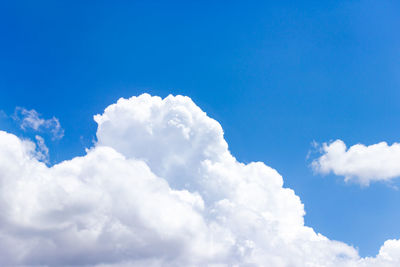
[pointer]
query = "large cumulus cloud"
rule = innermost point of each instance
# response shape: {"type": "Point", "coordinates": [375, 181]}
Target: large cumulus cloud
{"type": "Point", "coordinates": [159, 188]}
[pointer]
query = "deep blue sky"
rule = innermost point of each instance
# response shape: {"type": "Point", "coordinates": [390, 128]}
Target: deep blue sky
{"type": "Point", "coordinates": [276, 76]}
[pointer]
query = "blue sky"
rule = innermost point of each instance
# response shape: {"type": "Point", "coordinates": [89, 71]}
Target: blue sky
{"type": "Point", "coordinates": [277, 76]}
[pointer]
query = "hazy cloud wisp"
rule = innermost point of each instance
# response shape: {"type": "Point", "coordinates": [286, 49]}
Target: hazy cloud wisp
{"type": "Point", "coordinates": [32, 119]}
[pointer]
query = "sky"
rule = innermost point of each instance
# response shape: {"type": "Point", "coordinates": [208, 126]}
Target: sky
{"type": "Point", "coordinates": [284, 80]}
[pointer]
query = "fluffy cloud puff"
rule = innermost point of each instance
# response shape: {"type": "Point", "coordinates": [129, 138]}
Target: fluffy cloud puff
{"type": "Point", "coordinates": [159, 188]}
{"type": "Point", "coordinates": [360, 163]}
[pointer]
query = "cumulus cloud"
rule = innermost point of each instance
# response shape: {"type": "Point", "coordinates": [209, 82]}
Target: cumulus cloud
{"type": "Point", "coordinates": [32, 119]}
{"type": "Point", "coordinates": [360, 163]}
{"type": "Point", "coordinates": [159, 188]}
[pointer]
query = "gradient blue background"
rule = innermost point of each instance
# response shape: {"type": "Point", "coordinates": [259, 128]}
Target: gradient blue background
{"type": "Point", "coordinates": [276, 76]}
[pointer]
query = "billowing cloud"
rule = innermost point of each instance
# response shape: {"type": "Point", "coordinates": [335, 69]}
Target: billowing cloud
{"type": "Point", "coordinates": [31, 119]}
{"type": "Point", "coordinates": [360, 163]}
{"type": "Point", "coordinates": [159, 188]}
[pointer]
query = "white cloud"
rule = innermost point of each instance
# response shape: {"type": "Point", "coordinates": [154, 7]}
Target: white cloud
{"type": "Point", "coordinates": [42, 149]}
{"type": "Point", "coordinates": [159, 188]}
{"type": "Point", "coordinates": [31, 119]}
{"type": "Point", "coordinates": [360, 163]}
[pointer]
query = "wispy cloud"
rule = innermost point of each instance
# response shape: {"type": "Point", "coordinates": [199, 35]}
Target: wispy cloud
{"type": "Point", "coordinates": [42, 151]}
{"type": "Point", "coordinates": [32, 119]}
{"type": "Point", "coordinates": [3, 114]}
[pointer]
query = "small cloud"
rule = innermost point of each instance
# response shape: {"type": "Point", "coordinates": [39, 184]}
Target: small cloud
{"type": "Point", "coordinates": [359, 163]}
{"type": "Point", "coordinates": [32, 119]}
{"type": "Point", "coordinates": [315, 148]}
{"type": "Point", "coordinates": [42, 152]}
